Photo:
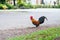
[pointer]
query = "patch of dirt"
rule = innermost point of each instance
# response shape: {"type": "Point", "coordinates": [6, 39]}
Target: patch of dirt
{"type": "Point", "coordinates": [58, 38]}
{"type": "Point", "coordinates": [4, 34]}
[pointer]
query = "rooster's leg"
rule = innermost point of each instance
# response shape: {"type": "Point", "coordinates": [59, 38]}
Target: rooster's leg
{"type": "Point", "coordinates": [37, 25]}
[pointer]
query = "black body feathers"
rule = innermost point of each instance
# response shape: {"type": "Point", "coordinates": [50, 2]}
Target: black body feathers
{"type": "Point", "coordinates": [41, 19]}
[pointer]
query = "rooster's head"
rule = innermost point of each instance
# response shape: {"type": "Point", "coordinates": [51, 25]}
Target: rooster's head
{"type": "Point", "coordinates": [31, 17]}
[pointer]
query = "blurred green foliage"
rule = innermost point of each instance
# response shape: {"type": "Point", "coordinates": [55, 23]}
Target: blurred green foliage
{"type": "Point", "coordinates": [2, 6]}
{"type": "Point", "coordinates": [24, 5]}
{"type": "Point", "coordinates": [2, 1]}
{"type": "Point", "coordinates": [21, 4]}
{"type": "Point", "coordinates": [10, 6]}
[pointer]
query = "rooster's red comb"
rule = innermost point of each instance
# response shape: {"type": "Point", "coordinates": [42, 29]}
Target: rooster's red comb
{"type": "Point", "coordinates": [31, 17]}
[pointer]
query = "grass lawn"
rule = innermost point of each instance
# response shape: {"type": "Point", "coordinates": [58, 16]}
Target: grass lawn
{"type": "Point", "coordinates": [48, 34]}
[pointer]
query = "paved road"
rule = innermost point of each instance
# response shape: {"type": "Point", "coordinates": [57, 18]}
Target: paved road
{"type": "Point", "coordinates": [20, 18]}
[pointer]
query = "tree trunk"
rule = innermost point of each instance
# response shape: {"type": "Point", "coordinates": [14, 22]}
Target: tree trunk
{"type": "Point", "coordinates": [14, 2]}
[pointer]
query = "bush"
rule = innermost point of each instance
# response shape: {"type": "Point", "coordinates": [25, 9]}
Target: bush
{"type": "Point", "coordinates": [10, 6]}
{"type": "Point", "coordinates": [58, 6]}
{"type": "Point", "coordinates": [21, 5]}
{"type": "Point", "coordinates": [7, 6]}
{"type": "Point", "coordinates": [3, 6]}
{"type": "Point", "coordinates": [24, 5]}
{"type": "Point", "coordinates": [47, 6]}
{"type": "Point", "coordinates": [29, 6]}
{"type": "Point", "coordinates": [2, 1]}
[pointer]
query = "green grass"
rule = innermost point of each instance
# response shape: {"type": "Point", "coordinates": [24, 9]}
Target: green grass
{"type": "Point", "coordinates": [48, 34]}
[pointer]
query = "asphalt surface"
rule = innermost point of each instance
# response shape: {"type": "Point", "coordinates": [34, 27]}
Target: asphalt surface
{"type": "Point", "coordinates": [10, 19]}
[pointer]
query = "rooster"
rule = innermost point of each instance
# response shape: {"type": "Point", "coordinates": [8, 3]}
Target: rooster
{"type": "Point", "coordinates": [39, 21]}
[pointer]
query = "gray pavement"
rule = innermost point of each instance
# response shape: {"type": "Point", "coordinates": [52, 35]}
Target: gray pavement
{"type": "Point", "coordinates": [10, 19]}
